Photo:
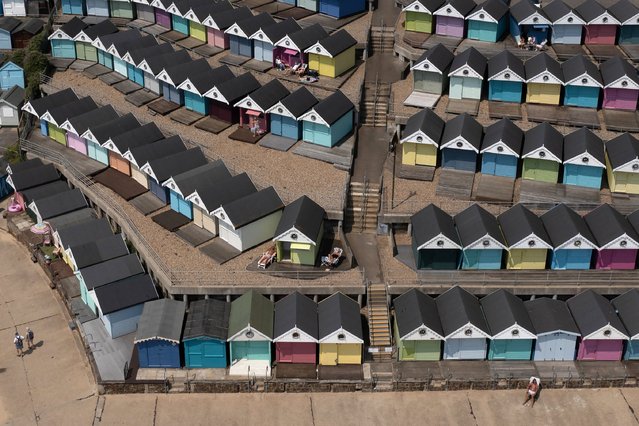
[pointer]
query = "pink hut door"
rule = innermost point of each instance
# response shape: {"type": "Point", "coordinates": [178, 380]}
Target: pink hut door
{"type": "Point", "coordinates": [296, 353]}
{"type": "Point", "coordinates": [76, 143]}
{"type": "Point", "coordinates": [620, 99]}
{"type": "Point", "coordinates": [616, 259]}
{"type": "Point", "coordinates": [600, 350]}
{"type": "Point", "coordinates": [217, 38]}
{"type": "Point", "coordinates": [600, 34]}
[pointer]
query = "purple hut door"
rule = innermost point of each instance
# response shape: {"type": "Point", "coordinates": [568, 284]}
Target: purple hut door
{"type": "Point", "coordinates": [76, 143]}
{"type": "Point", "coordinates": [447, 25]}
{"type": "Point", "coordinates": [620, 99]}
{"type": "Point", "coordinates": [617, 259]}
{"type": "Point", "coordinates": [163, 18]}
{"type": "Point", "coordinates": [600, 350]}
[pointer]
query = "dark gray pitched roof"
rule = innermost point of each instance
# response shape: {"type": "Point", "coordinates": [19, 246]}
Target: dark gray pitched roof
{"type": "Point", "coordinates": [505, 131]}
{"type": "Point", "coordinates": [299, 102]}
{"type": "Point", "coordinates": [207, 317]}
{"type": "Point", "coordinates": [543, 135]}
{"type": "Point", "coordinates": [158, 149]}
{"type": "Point", "coordinates": [592, 311]}
{"type": "Point", "coordinates": [72, 109]}
{"type": "Point", "coordinates": [203, 10]}
{"type": "Point", "coordinates": [440, 56]}
{"type": "Point", "coordinates": [227, 18]}
{"type": "Point", "coordinates": [430, 222]}
{"type": "Point", "coordinates": [75, 234]}
{"type": "Point", "coordinates": [562, 223]}
{"type": "Point", "coordinates": [456, 308]}
{"type": "Point", "coordinates": [622, 149]}
{"type": "Point", "coordinates": [178, 72]}
{"type": "Point", "coordinates": [157, 62]}
{"type": "Point", "coordinates": [125, 293]}
{"type": "Point", "coordinates": [524, 9]}
{"type": "Point", "coordinates": [61, 203]}
{"type": "Point", "coordinates": [147, 52]}
{"type": "Point", "coordinates": [494, 8]}
{"type": "Point", "coordinates": [26, 165]}
{"type": "Point", "coordinates": [590, 9]}
{"type": "Point", "coordinates": [269, 94]}
{"type": "Point", "coordinates": [518, 222]}
{"type": "Point", "coordinates": [426, 121]}
{"type": "Point", "coordinates": [14, 96]}
{"type": "Point", "coordinates": [624, 10]}
{"type": "Point", "coordinates": [557, 9]}
{"type": "Point", "coordinates": [334, 107]}
{"type": "Point", "coordinates": [338, 42]}
{"type": "Point", "coordinates": [98, 250]}
{"type": "Point", "coordinates": [100, 29]}
{"type": "Point", "coordinates": [198, 177]}
{"type": "Point", "coordinates": [474, 223]}
{"type": "Point", "coordinates": [462, 6]}
{"type": "Point", "coordinates": [213, 195]}
{"type": "Point", "coordinates": [235, 89]}
{"type": "Point", "coordinates": [9, 23]}
{"type": "Point", "coordinates": [46, 190]}
{"type": "Point", "coordinates": [205, 81]}
{"type": "Point", "coordinates": [35, 176]}
{"type": "Point", "coordinates": [95, 117]}
{"type": "Point", "coordinates": [138, 136]}
{"type": "Point", "coordinates": [506, 60]}
{"type": "Point", "coordinates": [73, 27]}
{"type": "Point", "coordinates": [71, 219]}
{"type": "Point", "coordinates": [339, 311]}
{"type": "Point", "coordinates": [108, 39]}
{"type": "Point", "coordinates": [467, 127]}
{"type": "Point", "coordinates": [308, 36]}
{"type": "Point", "coordinates": [111, 270]}
{"type": "Point", "coordinates": [303, 214]}
{"type": "Point", "coordinates": [295, 311]}
{"type": "Point", "coordinates": [472, 58]}
{"type": "Point", "coordinates": [577, 66]}
{"type": "Point", "coordinates": [503, 309]}
{"type": "Point", "coordinates": [251, 25]}
{"type": "Point", "coordinates": [606, 224]}
{"type": "Point", "coordinates": [42, 105]}
{"type": "Point", "coordinates": [123, 46]}
{"type": "Point", "coordinates": [276, 32]}
{"type": "Point", "coordinates": [252, 207]}
{"type": "Point", "coordinates": [627, 308]}
{"type": "Point", "coordinates": [414, 309]}
{"type": "Point", "coordinates": [174, 164]}
{"type": "Point", "coordinates": [112, 128]}
{"type": "Point", "coordinates": [583, 141]}
{"type": "Point", "coordinates": [542, 62]}
{"type": "Point", "coordinates": [632, 218]}
{"type": "Point", "coordinates": [161, 319]}
{"type": "Point", "coordinates": [550, 315]}
{"type": "Point", "coordinates": [615, 68]}
{"type": "Point", "coordinates": [431, 5]}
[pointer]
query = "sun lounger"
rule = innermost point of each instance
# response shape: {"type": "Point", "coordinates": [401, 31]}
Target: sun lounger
{"type": "Point", "coordinates": [267, 258]}
{"type": "Point", "coordinates": [333, 258]}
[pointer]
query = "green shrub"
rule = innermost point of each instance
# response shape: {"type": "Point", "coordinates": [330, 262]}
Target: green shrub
{"type": "Point", "coordinates": [13, 154]}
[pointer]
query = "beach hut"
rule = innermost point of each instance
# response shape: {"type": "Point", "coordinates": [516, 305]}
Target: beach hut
{"type": "Point", "coordinates": [463, 324]}
{"type": "Point", "coordinates": [264, 39]}
{"type": "Point", "coordinates": [527, 20]}
{"type": "Point", "coordinates": [501, 148]}
{"type": "Point", "coordinates": [22, 35]}
{"type": "Point", "coordinates": [144, 11]}
{"type": "Point", "coordinates": [121, 47]}
{"type": "Point", "coordinates": [25, 197]}
{"type": "Point", "coordinates": [140, 155]}
{"type": "Point", "coordinates": [11, 75]}
{"type": "Point", "coordinates": [295, 330]}
{"type": "Point", "coordinates": [152, 64]}
{"type": "Point", "coordinates": [556, 330]}
{"type": "Point", "coordinates": [96, 251]}
{"type": "Point", "coordinates": [622, 164]}
{"type": "Point", "coordinates": [617, 240]}
{"type": "Point", "coordinates": [84, 48]}
{"type": "Point", "coordinates": [250, 335]}
{"type": "Point", "coordinates": [227, 93]}
{"type": "Point", "coordinates": [134, 55]}
{"type": "Point", "coordinates": [119, 304]}
{"type": "Point", "coordinates": [333, 55]}
{"type": "Point", "coordinates": [14, 8]}
{"type": "Point", "coordinates": [341, 9]}
{"type": "Point", "coordinates": [418, 15]}
{"type": "Point", "coordinates": [450, 17]}
{"type": "Point", "coordinates": [97, 8]}
{"type": "Point", "coordinates": [5, 188]}
{"type": "Point", "coordinates": [161, 169]}
{"type": "Point", "coordinates": [7, 25]}
{"type": "Point", "coordinates": [123, 142]}
{"type": "Point", "coordinates": [73, 7]}
{"type": "Point", "coordinates": [341, 337]}
{"type": "Point", "coordinates": [39, 106]}
{"type": "Point", "coordinates": [544, 79]}
{"type": "Point", "coordinates": [185, 183]}
{"type": "Point", "coordinates": [416, 326]}
{"type": "Point", "coordinates": [178, 22]}
{"type": "Point", "coordinates": [526, 238]}
{"type": "Point", "coordinates": [162, 16]}
{"type": "Point", "coordinates": [58, 204]}
{"type": "Point", "coordinates": [420, 139]}
{"type": "Point", "coordinates": [601, 25]}
{"type": "Point", "coordinates": [620, 83]}
{"type": "Point", "coordinates": [58, 115]}
{"type": "Point", "coordinates": [218, 21]}
{"type": "Point", "coordinates": [253, 107]}
{"type": "Point", "coordinates": [285, 114]}
{"type": "Point", "coordinates": [33, 177]}
{"type": "Point", "coordinates": [329, 121]}
{"type": "Point", "coordinates": [506, 77]}
{"type": "Point", "coordinates": [100, 134]}
{"type": "Point", "coordinates": [208, 197]}
{"type": "Point", "coordinates": [627, 308]}
{"type": "Point", "coordinates": [197, 13]}
{"type": "Point", "coordinates": [512, 332]}
{"type": "Point", "coordinates": [481, 239]}
{"type": "Point", "coordinates": [430, 71]}
{"type": "Point", "coordinates": [565, 22]}
{"type": "Point", "coordinates": [121, 9]}
{"type": "Point", "coordinates": [11, 102]}
{"type": "Point", "coordinates": [435, 241]}
{"type": "Point", "coordinates": [628, 16]}
{"type": "Point", "coordinates": [292, 46]}
{"type": "Point", "coordinates": [205, 333]}
{"type": "Point", "coordinates": [172, 75]}
{"type": "Point", "coordinates": [159, 334]}
{"type": "Point", "coordinates": [582, 81]}
{"type": "Point", "coordinates": [250, 220]}
{"type": "Point", "coordinates": [299, 232]}
{"type": "Point", "coordinates": [460, 143]}
{"type": "Point", "coordinates": [488, 21]}
{"type": "Point", "coordinates": [573, 243]}
{"type": "Point", "coordinates": [602, 332]}
{"type": "Point", "coordinates": [466, 75]}
{"type": "Point", "coordinates": [584, 159]}
{"type": "Point", "coordinates": [74, 233]}
{"type": "Point", "coordinates": [542, 153]}
{"type": "Point", "coordinates": [241, 31]}
{"type": "Point", "coordinates": [76, 126]}
{"type": "Point", "coordinates": [61, 40]}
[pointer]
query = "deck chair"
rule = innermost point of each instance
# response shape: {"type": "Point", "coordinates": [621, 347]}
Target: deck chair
{"type": "Point", "coordinates": [267, 258]}
{"type": "Point", "coordinates": [333, 258]}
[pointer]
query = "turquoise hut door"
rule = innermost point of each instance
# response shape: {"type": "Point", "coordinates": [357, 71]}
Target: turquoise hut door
{"type": "Point", "coordinates": [180, 24]}
{"type": "Point", "coordinates": [251, 350]}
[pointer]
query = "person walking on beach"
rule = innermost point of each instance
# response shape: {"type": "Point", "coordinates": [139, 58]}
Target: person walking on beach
{"type": "Point", "coordinates": [29, 337]}
{"type": "Point", "coordinates": [18, 341]}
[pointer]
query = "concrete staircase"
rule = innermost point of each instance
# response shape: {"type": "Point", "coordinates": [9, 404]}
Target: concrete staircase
{"type": "Point", "coordinates": [379, 322]}
{"type": "Point", "coordinates": [382, 39]}
{"type": "Point", "coordinates": [374, 107]}
{"type": "Point", "coordinates": [362, 206]}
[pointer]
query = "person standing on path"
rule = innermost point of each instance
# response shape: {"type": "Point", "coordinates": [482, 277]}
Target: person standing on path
{"type": "Point", "coordinates": [29, 336]}
{"type": "Point", "coordinates": [18, 341]}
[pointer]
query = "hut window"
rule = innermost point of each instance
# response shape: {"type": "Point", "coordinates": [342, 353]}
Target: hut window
{"type": "Point", "coordinates": [318, 50]}
{"type": "Point", "coordinates": [624, 83]}
{"type": "Point", "coordinates": [584, 80]}
{"type": "Point", "coordinates": [425, 66]}
{"type": "Point", "coordinates": [485, 243]}
{"type": "Point", "coordinates": [59, 35]}
{"type": "Point", "coordinates": [249, 103]}
{"type": "Point", "coordinates": [607, 333]}
{"type": "Point", "coordinates": [259, 36]}
{"type": "Point", "coordinates": [419, 138]}
{"type": "Point", "coordinates": [448, 10]}
{"type": "Point", "coordinates": [500, 149]}
{"type": "Point", "coordinates": [545, 78]}
{"type": "Point", "coordinates": [293, 236]}
{"type": "Point", "coordinates": [531, 243]}
{"type": "Point", "coordinates": [623, 243]}
{"type": "Point", "coordinates": [585, 159]}
{"type": "Point", "coordinates": [570, 19]}
{"type": "Point", "coordinates": [515, 332]}
{"type": "Point", "coordinates": [288, 43]}
{"type": "Point", "coordinates": [188, 86]}
{"type": "Point", "coordinates": [459, 144]}
{"type": "Point", "coordinates": [542, 154]}
{"type": "Point", "coordinates": [635, 166]}
{"type": "Point", "coordinates": [465, 72]}
{"type": "Point", "coordinates": [341, 336]}
{"type": "Point", "coordinates": [222, 216]}
{"type": "Point", "coordinates": [197, 200]}
{"type": "Point", "coordinates": [577, 243]}
{"type": "Point", "coordinates": [422, 331]}
{"type": "Point", "coordinates": [295, 335]}
{"type": "Point", "coordinates": [214, 94]}
{"type": "Point", "coordinates": [416, 7]}
{"type": "Point", "coordinates": [280, 110]}
{"type": "Point", "coordinates": [468, 332]}
{"type": "Point", "coordinates": [507, 75]}
{"type": "Point", "coordinates": [605, 19]}
{"type": "Point", "coordinates": [235, 30]}
{"type": "Point", "coordinates": [313, 118]}
{"type": "Point", "coordinates": [535, 19]}
{"type": "Point", "coordinates": [481, 16]}
{"type": "Point", "coordinates": [440, 243]}
{"type": "Point", "coordinates": [249, 334]}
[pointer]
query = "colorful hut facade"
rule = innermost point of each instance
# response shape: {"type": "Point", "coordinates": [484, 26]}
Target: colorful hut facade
{"type": "Point", "coordinates": [84, 48]}
{"type": "Point", "coordinates": [482, 242]}
{"type": "Point", "coordinates": [556, 330]}
{"type": "Point", "coordinates": [417, 328]}
{"type": "Point", "coordinates": [205, 333]}
{"type": "Point", "coordinates": [418, 15]}
{"type": "Point", "coordinates": [584, 159]}
{"type": "Point", "coordinates": [11, 75]}
{"type": "Point", "coordinates": [602, 332]}
{"type": "Point", "coordinates": [292, 46]}
{"type": "Point", "coordinates": [144, 11]}
{"type": "Point", "coordinates": [420, 139]}
{"type": "Point", "coordinates": [460, 143]}
{"type": "Point", "coordinates": [567, 25]}
{"type": "Point", "coordinates": [61, 40]}
{"type": "Point", "coordinates": [488, 21]}
{"type": "Point", "coordinates": [501, 148]}
{"type": "Point", "coordinates": [467, 75]}
{"type": "Point", "coordinates": [138, 156]}
{"type": "Point", "coordinates": [544, 79]}
{"type": "Point", "coordinates": [628, 15]}
{"type": "Point", "coordinates": [218, 22]}
{"type": "Point", "coordinates": [176, 9]}
{"type": "Point", "coordinates": [436, 243]}
{"type": "Point", "coordinates": [152, 64]}
{"type": "Point", "coordinates": [527, 20]}
{"type": "Point", "coordinates": [627, 308]}
{"type": "Point", "coordinates": [341, 338]}
{"type": "Point", "coordinates": [296, 330]}
{"type": "Point", "coordinates": [134, 56]}
{"type": "Point", "coordinates": [300, 232]}
{"type": "Point", "coordinates": [120, 144]}
{"type": "Point", "coordinates": [542, 153]}
{"type": "Point", "coordinates": [450, 17]}
{"type": "Point", "coordinates": [253, 107]}
{"type": "Point", "coordinates": [464, 325]}
{"type": "Point", "coordinates": [329, 121]}
{"type": "Point", "coordinates": [601, 26]}
{"type": "Point", "coordinates": [308, 4]}
{"type": "Point", "coordinates": [119, 48]}
{"type": "Point", "coordinates": [582, 81]}
{"type": "Point", "coordinates": [264, 40]}
{"type": "Point", "coordinates": [8, 24]}
{"type": "Point", "coordinates": [526, 238]}
{"type": "Point", "coordinates": [39, 106]}
{"type": "Point", "coordinates": [159, 334]}
{"type": "Point", "coordinates": [333, 55]}
{"type": "Point", "coordinates": [78, 125]}
{"type": "Point", "coordinates": [285, 113]}
{"type": "Point", "coordinates": [622, 164]}
{"type": "Point", "coordinates": [430, 71]}
{"type": "Point", "coordinates": [506, 77]}
{"type": "Point", "coordinates": [97, 135]}
{"type": "Point", "coordinates": [227, 93]}
{"type": "Point", "coordinates": [161, 169]}
{"type": "Point", "coordinates": [617, 240]}
{"type": "Point", "coordinates": [58, 115]}
{"type": "Point", "coordinates": [573, 243]}
{"type": "Point", "coordinates": [620, 84]}
{"type": "Point", "coordinates": [240, 42]}
{"type": "Point", "coordinates": [174, 80]}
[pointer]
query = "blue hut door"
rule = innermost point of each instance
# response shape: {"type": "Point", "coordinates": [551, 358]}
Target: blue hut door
{"type": "Point", "coordinates": [459, 159]}
{"type": "Point", "coordinates": [196, 103]}
{"type": "Point", "coordinates": [98, 8]}
{"type": "Point", "coordinates": [180, 24]}
{"type": "Point", "coordinates": [135, 74]}
{"type": "Point", "coordinates": [172, 94]}
{"type": "Point", "coordinates": [158, 190]}
{"type": "Point", "coordinates": [263, 51]}
{"type": "Point", "coordinates": [241, 46]}
{"type": "Point", "coordinates": [587, 176]}
{"type": "Point", "coordinates": [180, 205]}
{"type": "Point", "coordinates": [63, 48]}
{"type": "Point", "coordinates": [119, 66]}
{"type": "Point", "coordinates": [44, 129]}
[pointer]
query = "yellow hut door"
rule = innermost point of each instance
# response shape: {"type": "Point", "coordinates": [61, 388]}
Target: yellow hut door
{"type": "Point", "coordinates": [328, 354]}
{"type": "Point", "coordinates": [326, 66]}
{"type": "Point", "coordinates": [425, 155]}
{"type": "Point", "coordinates": [409, 153]}
{"type": "Point", "coordinates": [621, 182]}
{"type": "Point", "coordinates": [349, 353]}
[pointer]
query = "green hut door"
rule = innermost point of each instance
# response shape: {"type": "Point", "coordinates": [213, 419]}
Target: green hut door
{"type": "Point", "coordinates": [419, 22]}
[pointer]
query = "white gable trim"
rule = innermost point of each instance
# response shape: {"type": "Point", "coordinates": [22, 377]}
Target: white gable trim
{"type": "Point", "coordinates": [482, 16]}
{"type": "Point", "coordinates": [590, 161]}
{"type": "Point", "coordinates": [112, 50]}
{"type": "Point", "coordinates": [288, 237]}
{"type": "Point", "coordinates": [111, 146]}
{"type": "Point", "coordinates": [486, 243]}
{"type": "Point", "coordinates": [127, 58]}
{"type": "Point", "coordinates": [248, 103]}
{"type": "Point", "coordinates": [170, 183]}
{"type": "Point", "coordinates": [514, 332]}
{"type": "Point", "coordinates": [68, 127]}
{"type": "Point", "coordinates": [81, 36]}
{"type": "Point", "coordinates": [128, 156]}
{"type": "Point", "coordinates": [318, 49]}
{"type": "Point", "coordinates": [260, 35]}
{"type": "Point", "coordinates": [289, 337]}
{"type": "Point", "coordinates": [622, 242]}
{"type": "Point", "coordinates": [538, 243]}
{"type": "Point", "coordinates": [495, 149]}
{"type": "Point", "coordinates": [28, 108]}
{"type": "Point", "coordinates": [422, 333]}
{"type": "Point", "coordinates": [287, 43]}
{"type": "Point", "coordinates": [164, 76]}
{"type": "Point", "coordinates": [48, 118]}
{"type": "Point", "coordinates": [420, 138]}
{"type": "Point", "coordinates": [348, 337]}
{"type": "Point", "coordinates": [623, 82]}
{"type": "Point", "coordinates": [313, 117]}
{"type": "Point", "coordinates": [241, 336]}
{"type": "Point", "coordinates": [89, 136]}
{"type": "Point", "coordinates": [98, 44]}
{"type": "Point", "coordinates": [439, 242]}
{"type": "Point", "coordinates": [197, 200]}
{"type": "Point", "coordinates": [190, 15]}
{"type": "Point", "coordinates": [578, 242]}
{"type": "Point", "coordinates": [542, 153]}
{"type": "Point", "coordinates": [607, 332]}
{"type": "Point", "coordinates": [280, 109]}
{"type": "Point", "coordinates": [10, 181]}
{"type": "Point", "coordinates": [158, 4]}
{"type": "Point", "coordinates": [223, 216]}
{"type": "Point", "coordinates": [144, 66]}
{"type": "Point", "coordinates": [459, 143]}
{"type": "Point", "coordinates": [416, 7]}
{"type": "Point", "coordinates": [584, 80]}
{"type": "Point", "coordinates": [507, 75]}
{"type": "Point", "coordinates": [146, 168]}
{"type": "Point", "coordinates": [236, 31]}
{"type": "Point", "coordinates": [174, 10]}
{"type": "Point", "coordinates": [210, 22]}
{"type": "Point", "coordinates": [216, 95]}
{"type": "Point", "coordinates": [426, 66]}
{"type": "Point", "coordinates": [187, 86]}
{"type": "Point", "coordinates": [474, 333]}
{"type": "Point", "coordinates": [545, 77]}
{"type": "Point", "coordinates": [570, 333]}
{"type": "Point", "coordinates": [570, 18]}
{"type": "Point", "coordinates": [140, 2]}
{"type": "Point", "coordinates": [59, 35]}
{"type": "Point", "coordinates": [34, 208]}
{"type": "Point", "coordinates": [535, 19]}
{"type": "Point", "coordinates": [604, 19]}
{"type": "Point", "coordinates": [465, 71]}
{"type": "Point", "coordinates": [634, 20]}
{"type": "Point", "coordinates": [448, 10]}
{"type": "Point", "coordinates": [631, 166]}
